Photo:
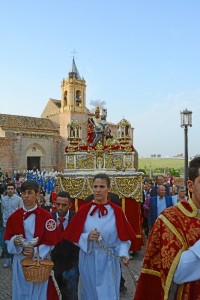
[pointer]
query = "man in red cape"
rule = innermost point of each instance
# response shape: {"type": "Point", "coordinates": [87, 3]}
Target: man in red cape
{"type": "Point", "coordinates": [171, 267]}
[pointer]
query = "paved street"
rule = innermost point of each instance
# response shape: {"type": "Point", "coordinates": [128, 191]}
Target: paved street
{"type": "Point", "coordinates": [135, 266]}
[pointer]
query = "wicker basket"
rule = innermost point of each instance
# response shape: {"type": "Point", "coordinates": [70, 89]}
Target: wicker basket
{"type": "Point", "coordinates": [36, 270]}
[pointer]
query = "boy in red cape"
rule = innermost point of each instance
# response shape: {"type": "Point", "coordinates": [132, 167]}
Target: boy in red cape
{"type": "Point", "coordinates": [27, 229]}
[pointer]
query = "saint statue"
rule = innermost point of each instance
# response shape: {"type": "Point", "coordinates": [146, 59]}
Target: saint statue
{"type": "Point", "coordinates": [100, 126]}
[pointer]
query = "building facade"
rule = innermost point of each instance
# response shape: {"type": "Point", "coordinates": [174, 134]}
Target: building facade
{"type": "Point", "coordinates": [39, 143]}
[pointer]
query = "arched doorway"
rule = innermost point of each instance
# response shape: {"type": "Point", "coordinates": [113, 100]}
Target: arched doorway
{"type": "Point", "coordinates": [34, 154]}
{"type": "Point", "coordinates": [33, 163]}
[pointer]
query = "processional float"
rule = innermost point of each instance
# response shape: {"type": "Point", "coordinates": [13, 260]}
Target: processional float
{"type": "Point", "coordinates": [115, 157]}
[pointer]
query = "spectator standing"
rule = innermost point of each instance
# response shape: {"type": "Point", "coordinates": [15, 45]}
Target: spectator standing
{"type": "Point", "coordinates": [65, 254]}
{"type": "Point", "coordinates": [42, 203]}
{"type": "Point", "coordinates": [181, 196]}
{"type": "Point", "coordinates": [170, 179]}
{"type": "Point", "coordinates": [171, 266]}
{"type": "Point", "coordinates": [158, 204]}
{"type": "Point", "coordinates": [10, 203]}
{"type": "Point", "coordinates": [18, 183]}
{"type": "Point", "coordinates": [160, 181]}
{"type": "Point", "coordinates": [145, 207]}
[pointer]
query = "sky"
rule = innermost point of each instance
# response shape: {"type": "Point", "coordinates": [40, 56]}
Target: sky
{"type": "Point", "coordinates": [139, 56]}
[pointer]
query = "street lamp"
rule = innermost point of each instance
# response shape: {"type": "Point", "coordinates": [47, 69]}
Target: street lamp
{"type": "Point", "coordinates": [186, 120]}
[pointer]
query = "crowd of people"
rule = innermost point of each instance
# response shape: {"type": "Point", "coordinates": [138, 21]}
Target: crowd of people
{"type": "Point", "coordinates": [45, 179]}
{"type": "Point", "coordinates": [91, 245]}
{"type": "Point", "coordinates": [158, 196]}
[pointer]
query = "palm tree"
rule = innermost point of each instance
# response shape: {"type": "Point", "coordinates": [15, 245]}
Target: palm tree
{"type": "Point", "coordinates": [94, 103]}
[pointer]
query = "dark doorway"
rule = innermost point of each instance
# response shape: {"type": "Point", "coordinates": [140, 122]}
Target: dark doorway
{"type": "Point", "coordinates": [33, 163]}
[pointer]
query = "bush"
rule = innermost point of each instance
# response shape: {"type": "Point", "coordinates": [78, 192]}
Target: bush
{"type": "Point", "coordinates": [142, 170]}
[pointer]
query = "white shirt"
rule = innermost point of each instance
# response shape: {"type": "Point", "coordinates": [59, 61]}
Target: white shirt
{"type": "Point", "coordinates": [161, 205]}
{"type": "Point", "coordinates": [66, 217]}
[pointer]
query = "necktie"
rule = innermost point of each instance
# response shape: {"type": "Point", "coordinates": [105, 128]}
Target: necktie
{"type": "Point", "coordinates": [101, 209]}
{"type": "Point", "coordinates": [28, 213]}
{"type": "Point", "coordinates": [61, 226]}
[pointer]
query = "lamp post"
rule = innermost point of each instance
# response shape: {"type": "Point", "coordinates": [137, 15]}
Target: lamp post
{"type": "Point", "coordinates": [186, 120]}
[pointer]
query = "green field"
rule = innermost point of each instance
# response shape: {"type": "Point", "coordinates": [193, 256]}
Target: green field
{"type": "Point", "coordinates": [161, 165]}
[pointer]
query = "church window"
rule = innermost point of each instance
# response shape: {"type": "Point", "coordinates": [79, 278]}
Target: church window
{"type": "Point", "coordinates": [65, 99]}
{"type": "Point", "coordinates": [78, 97]}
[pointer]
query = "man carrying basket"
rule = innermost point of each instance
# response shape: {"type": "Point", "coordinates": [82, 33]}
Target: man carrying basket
{"type": "Point", "coordinates": [30, 235]}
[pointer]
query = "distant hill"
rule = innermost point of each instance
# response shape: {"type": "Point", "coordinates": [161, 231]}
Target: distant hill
{"type": "Point", "coordinates": [161, 165]}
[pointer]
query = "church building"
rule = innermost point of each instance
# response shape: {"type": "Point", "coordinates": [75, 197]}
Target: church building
{"type": "Point", "coordinates": [39, 143]}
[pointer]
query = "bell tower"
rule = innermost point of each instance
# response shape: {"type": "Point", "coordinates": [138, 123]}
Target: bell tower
{"type": "Point", "coordinates": [73, 103]}
{"type": "Point", "coordinates": [73, 92]}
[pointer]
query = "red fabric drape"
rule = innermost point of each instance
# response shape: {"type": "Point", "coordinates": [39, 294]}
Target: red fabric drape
{"type": "Point", "coordinates": [51, 290]}
{"type": "Point", "coordinates": [134, 216]}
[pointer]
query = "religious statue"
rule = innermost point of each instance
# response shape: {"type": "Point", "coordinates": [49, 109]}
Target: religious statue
{"type": "Point", "coordinates": [100, 126]}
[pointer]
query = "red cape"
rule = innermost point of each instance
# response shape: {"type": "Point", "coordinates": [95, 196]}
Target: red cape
{"type": "Point", "coordinates": [75, 227]}
{"type": "Point", "coordinates": [14, 226]}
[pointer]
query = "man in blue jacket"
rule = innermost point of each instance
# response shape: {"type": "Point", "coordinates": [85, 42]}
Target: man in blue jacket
{"type": "Point", "coordinates": [160, 181]}
{"type": "Point", "coordinates": [158, 204]}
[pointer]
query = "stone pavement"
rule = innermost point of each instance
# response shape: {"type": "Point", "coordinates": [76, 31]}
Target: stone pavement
{"type": "Point", "coordinates": [5, 282]}
{"type": "Point", "coordinates": [135, 266]}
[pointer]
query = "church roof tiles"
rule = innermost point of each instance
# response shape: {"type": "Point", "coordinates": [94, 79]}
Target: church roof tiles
{"type": "Point", "coordinates": [8, 122]}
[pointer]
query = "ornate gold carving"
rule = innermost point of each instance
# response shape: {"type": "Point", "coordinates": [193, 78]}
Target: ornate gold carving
{"type": "Point", "coordinates": [114, 161]}
{"type": "Point", "coordinates": [76, 205]}
{"type": "Point", "coordinates": [109, 142]}
{"type": "Point", "coordinates": [85, 161]}
{"type": "Point", "coordinates": [81, 186]}
{"type": "Point", "coordinates": [128, 161]}
{"type": "Point", "coordinates": [99, 147]}
{"type": "Point", "coordinates": [128, 149]}
{"type": "Point", "coordinates": [128, 187]}
{"type": "Point", "coordinates": [124, 123]}
{"type": "Point", "coordinates": [70, 163]}
{"type": "Point", "coordinates": [108, 161]}
{"type": "Point", "coordinates": [123, 204]}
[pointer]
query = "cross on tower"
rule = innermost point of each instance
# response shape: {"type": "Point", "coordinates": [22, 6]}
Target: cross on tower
{"type": "Point", "coordinates": [74, 52]}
